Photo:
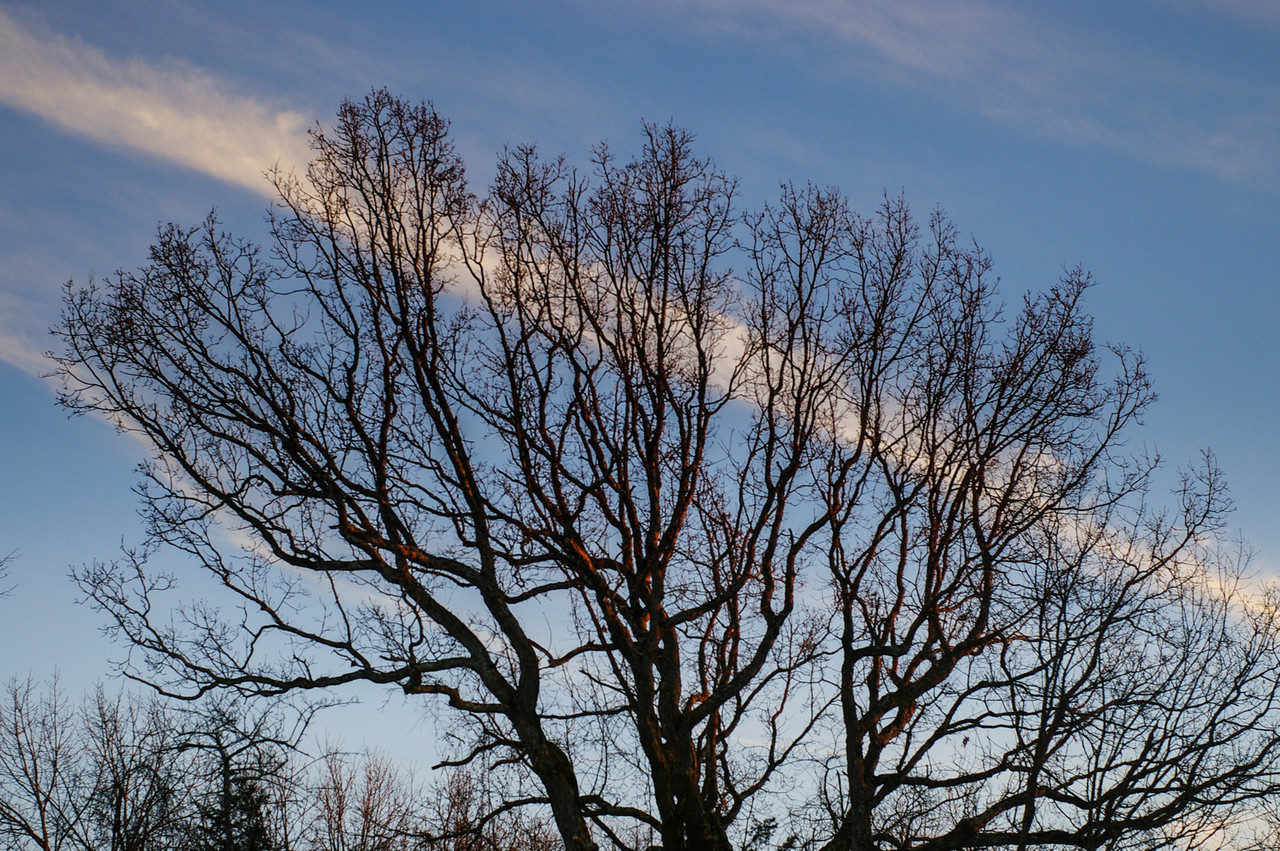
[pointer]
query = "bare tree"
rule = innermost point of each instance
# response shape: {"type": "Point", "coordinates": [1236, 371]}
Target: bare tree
{"type": "Point", "coordinates": [363, 804]}
{"type": "Point", "coordinates": [42, 774]}
{"type": "Point", "coordinates": [463, 811]}
{"type": "Point", "coordinates": [140, 793]}
{"type": "Point", "coordinates": [291, 805]}
{"type": "Point", "coordinates": [1029, 657]}
{"type": "Point", "coordinates": [102, 774]}
{"type": "Point", "coordinates": [652, 528]}
{"type": "Point", "coordinates": [236, 752]}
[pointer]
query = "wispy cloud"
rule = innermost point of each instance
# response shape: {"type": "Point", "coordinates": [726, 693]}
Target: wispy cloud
{"type": "Point", "coordinates": [1041, 77]}
{"type": "Point", "coordinates": [23, 335]}
{"type": "Point", "coordinates": [175, 112]}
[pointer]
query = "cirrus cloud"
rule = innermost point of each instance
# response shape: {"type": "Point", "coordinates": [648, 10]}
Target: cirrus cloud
{"type": "Point", "coordinates": [174, 112]}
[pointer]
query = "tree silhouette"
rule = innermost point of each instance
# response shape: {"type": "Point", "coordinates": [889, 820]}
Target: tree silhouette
{"type": "Point", "coordinates": [670, 505]}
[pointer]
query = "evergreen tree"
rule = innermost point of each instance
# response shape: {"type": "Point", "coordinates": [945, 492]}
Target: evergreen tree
{"type": "Point", "coordinates": [233, 819]}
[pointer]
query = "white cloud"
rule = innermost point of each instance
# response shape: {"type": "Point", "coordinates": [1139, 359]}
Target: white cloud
{"type": "Point", "coordinates": [22, 353]}
{"type": "Point", "coordinates": [23, 336]}
{"type": "Point", "coordinates": [176, 112]}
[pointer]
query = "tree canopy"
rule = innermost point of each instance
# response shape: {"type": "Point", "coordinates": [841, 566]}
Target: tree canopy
{"type": "Point", "coordinates": [688, 512]}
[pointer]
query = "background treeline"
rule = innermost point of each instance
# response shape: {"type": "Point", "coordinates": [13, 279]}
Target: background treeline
{"type": "Point", "coordinates": [125, 773]}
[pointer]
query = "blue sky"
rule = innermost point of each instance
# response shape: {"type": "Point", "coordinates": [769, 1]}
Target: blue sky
{"type": "Point", "coordinates": [1138, 138]}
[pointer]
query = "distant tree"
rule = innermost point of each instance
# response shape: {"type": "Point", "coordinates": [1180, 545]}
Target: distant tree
{"type": "Point", "coordinates": [125, 773]}
{"type": "Point", "coordinates": [363, 803]}
{"type": "Point", "coordinates": [291, 801]}
{"type": "Point", "coordinates": [42, 773]}
{"type": "Point", "coordinates": [236, 754]}
{"type": "Point", "coordinates": [464, 811]}
{"type": "Point", "coordinates": [670, 504]}
{"type": "Point", "coordinates": [235, 820]}
{"type": "Point", "coordinates": [140, 792]}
